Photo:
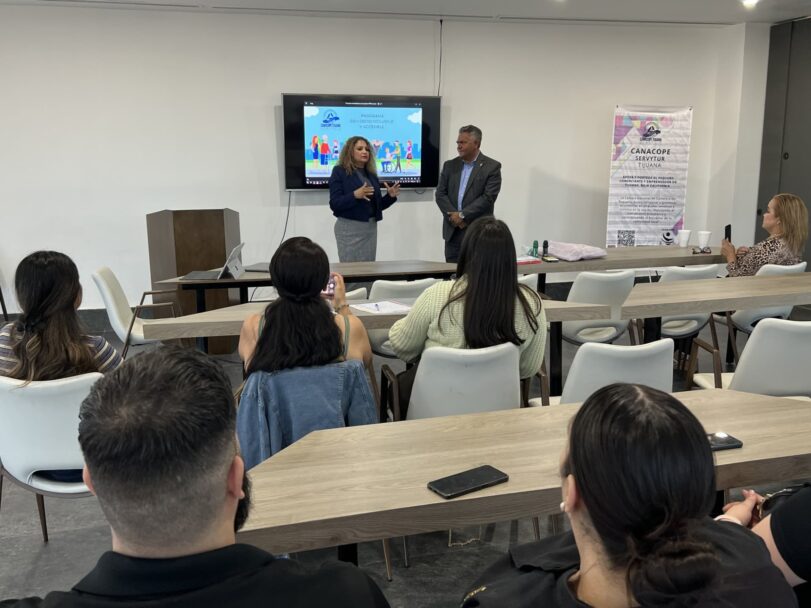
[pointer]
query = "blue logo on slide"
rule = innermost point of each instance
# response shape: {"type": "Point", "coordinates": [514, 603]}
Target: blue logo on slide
{"type": "Point", "coordinates": [331, 120]}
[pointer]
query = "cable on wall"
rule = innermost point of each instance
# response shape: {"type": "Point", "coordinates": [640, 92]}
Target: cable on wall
{"type": "Point", "coordinates": [287, 219]}
{"type": "Point", "coordinates": [439, 81]}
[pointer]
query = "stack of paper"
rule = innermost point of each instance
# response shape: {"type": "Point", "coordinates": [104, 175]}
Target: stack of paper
{"type": "Point", "coordinates": [386, 307]}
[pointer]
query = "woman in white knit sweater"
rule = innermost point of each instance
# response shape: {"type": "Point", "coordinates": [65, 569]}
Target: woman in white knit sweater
{"type": "Point", "coordinates": [485, 306]}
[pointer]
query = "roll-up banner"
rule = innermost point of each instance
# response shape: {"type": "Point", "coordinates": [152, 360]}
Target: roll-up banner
{"type": "Point", "coordinates": [648, 184]}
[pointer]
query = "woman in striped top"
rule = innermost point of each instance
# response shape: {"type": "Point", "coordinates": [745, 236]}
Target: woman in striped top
{"type": "Point", "coordinates": [46, 342]}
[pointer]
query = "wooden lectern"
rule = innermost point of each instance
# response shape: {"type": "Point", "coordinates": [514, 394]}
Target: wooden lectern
{"type": "Point", "coordinates": [194, 239]}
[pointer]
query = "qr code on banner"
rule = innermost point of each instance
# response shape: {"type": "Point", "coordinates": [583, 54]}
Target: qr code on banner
{"type": "Point", "coordinates": [626, 238]}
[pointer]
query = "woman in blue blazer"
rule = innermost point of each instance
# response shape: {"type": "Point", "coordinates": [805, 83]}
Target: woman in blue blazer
{"type": "Point", "coordinates": [354, 197]}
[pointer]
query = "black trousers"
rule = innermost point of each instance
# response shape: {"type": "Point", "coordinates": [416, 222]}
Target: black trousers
{"type": "Point", "coordinates": [453, 245]}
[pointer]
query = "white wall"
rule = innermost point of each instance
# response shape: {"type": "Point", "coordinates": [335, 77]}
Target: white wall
{"type": "Point", "coordinates": [107, 115]}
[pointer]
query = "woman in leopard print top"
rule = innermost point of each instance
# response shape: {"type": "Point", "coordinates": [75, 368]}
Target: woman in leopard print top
{"type": "Point", "coordinates": [786, 221]}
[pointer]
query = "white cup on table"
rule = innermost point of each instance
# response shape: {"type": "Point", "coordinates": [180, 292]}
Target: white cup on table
{"type": "Point", "coordinates": [684, 237]}
{"type": "Point", "coordinates": [704, 238]}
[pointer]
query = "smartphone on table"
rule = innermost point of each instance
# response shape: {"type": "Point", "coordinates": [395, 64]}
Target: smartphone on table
{"type": "Point", "coordinates": [468, 481]}
{"type": "Point", "coordinates": [722, 441]}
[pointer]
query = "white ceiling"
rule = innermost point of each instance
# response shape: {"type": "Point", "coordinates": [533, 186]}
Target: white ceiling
{"type": "Point", "coordinates": [661, 11]}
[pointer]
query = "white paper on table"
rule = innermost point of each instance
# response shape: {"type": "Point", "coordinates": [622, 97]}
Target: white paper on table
{"type": "Point", "coordinates": [386, 307]}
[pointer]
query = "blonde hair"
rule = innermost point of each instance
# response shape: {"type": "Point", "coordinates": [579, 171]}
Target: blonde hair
{"type": "Point", "coordinates": [793, 215]}
{"type": "Point", "coordinates": [345, 158]}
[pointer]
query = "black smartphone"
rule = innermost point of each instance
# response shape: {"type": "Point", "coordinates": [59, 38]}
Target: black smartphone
{"type": "Point", "coordinates": [728, 232]}
{"type": "Point", "coordinates": [722, 441]}
{"type": "Point", "coordinates": [468, 481]}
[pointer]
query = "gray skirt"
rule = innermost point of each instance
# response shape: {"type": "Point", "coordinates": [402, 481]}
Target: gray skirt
{"type": "Point", "coordinates": [357, 241]}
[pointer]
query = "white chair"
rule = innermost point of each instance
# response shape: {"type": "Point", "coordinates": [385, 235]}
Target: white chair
{"type": "Point", "coordinates": [683, 326]}
{"type": "Point", "coordinates": [530, 280]}
{"type": "Point", "coordinates": [463, 381]}
{"type": "Point", "coordinates": [453, 381]}
{"type": "Point", "coordinates": [746, 320]}
{"type": "Point", "coordinates": [384, 290]}
{"type": "Point", "coordinates": [597, 365]}
{"type": "Point", "coordinates": [774, 362]}
{"type": "Point", "coordinates": [39, 431]}
{"type": "Point", "coordinates": [357, 294]}
{"type": "Point", "coordinates": [610, 288]}
{"type": "Point", "coordinates": [126, 323]}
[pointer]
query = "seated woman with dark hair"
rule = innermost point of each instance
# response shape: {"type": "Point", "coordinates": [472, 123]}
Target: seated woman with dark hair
{"type": "Point", "coordinates": [47, 342]}
{"type": "Point", "coordinates": [638, 483]}
{"type": "Point", "coordinates": [304, 363]}
{"type": "Point", "coordinates": [299, 329]}
{"type": "Point", "coordinates": [786, 221]}
{"type": "Point", "coordinates": [484, 307]}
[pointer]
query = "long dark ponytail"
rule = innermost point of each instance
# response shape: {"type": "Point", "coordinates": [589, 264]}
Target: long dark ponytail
{"type": "Point", "coordinates": [47, 337]}
{"type": "Point", "coordinates": [299, 328]}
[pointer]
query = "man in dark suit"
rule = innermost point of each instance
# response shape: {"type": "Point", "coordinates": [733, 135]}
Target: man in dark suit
{"type": "Point", "coordinates": [467, 190]}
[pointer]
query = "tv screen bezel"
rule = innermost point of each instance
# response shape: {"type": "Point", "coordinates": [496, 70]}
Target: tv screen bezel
{"type": "Point", "coordinates": [294, 154]}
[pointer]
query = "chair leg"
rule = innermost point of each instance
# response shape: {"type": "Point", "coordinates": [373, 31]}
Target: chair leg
{"type": "Point", "coordinates": [43, 524]}
{"type": "Point", "coordinates": [732, 342]}
{"type": "Point", "coordinates": [370, 370]}
{"type": "Point", "coordinates": [3, 306]}
{"type": "Point", "coordinates": [714, 334]}
{"type": "Point", "coordinates": [387, 557]}
{"type": "Point", "coordinates": [536, 527]}
{"type": "Point", "coordinates": [405, 551]}
{"type": "Point", "coordinates": [555, 523]}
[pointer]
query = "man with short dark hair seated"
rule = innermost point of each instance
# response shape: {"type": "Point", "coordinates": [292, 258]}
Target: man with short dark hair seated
{"type": "Point", "coordinates": [160, 448]}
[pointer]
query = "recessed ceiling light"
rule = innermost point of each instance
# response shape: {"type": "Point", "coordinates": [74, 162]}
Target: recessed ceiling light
{"type": "Point", "coordinates": [750, 3]}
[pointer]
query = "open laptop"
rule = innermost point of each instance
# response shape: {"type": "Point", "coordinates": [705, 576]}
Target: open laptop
{"type": "Point", "coordinates": [232, 268]}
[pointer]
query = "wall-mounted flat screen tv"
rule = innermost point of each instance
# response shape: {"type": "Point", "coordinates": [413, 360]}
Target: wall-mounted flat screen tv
{"type": "Point", "coordinates": [403, 130]}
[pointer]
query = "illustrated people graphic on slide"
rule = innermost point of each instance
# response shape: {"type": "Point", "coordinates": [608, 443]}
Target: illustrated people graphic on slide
{"type": "Point", "coordinates": [398, 152]}
{"type": "Point", "coordinates": [324, 150]}
{"type": "Point", "coordinates": [314, 147]}
{"type": "Point", "coordinates": [376, 144]}
{"type": "Point", "coordinates": [335, 149]}
{"type": "Point", "coordinates": [409, 154]}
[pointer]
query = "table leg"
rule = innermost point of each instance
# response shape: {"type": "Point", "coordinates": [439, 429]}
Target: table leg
{"type": "Point", "coordinates": [348, 553]}
{"type": "Point", "coordinates": [541, 282]}
{"type": "Point", "coordinates": [652, 329]}
{"type": "Point", "coordinates": [555, 358]}
{"type": "Point", "coordinates": [200, 293]}
{"type": "Point", "coordinates": [243, 295]}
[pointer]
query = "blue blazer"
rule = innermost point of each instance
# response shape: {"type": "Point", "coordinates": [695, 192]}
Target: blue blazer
{"type": "Point", "coordinates": [342, 199]}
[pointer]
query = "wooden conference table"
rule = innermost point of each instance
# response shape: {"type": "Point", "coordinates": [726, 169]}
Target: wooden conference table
{"type": "Point", "coordinates": [652, 301]}
{"type": "Point", "coordinates": [616, 259]}
{"type": "Point", "coordinates": [622, 258]}
{"type": "Point", "coordinates": [228, 322]}
{"type": "Point", "coordinates": [366, 483]}
{"type": "Point", "coordinates": [398, 270]}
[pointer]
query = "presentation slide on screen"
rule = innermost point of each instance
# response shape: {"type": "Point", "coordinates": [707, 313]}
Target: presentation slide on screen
{"type": "Point", "coordinates": [394, 132]}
